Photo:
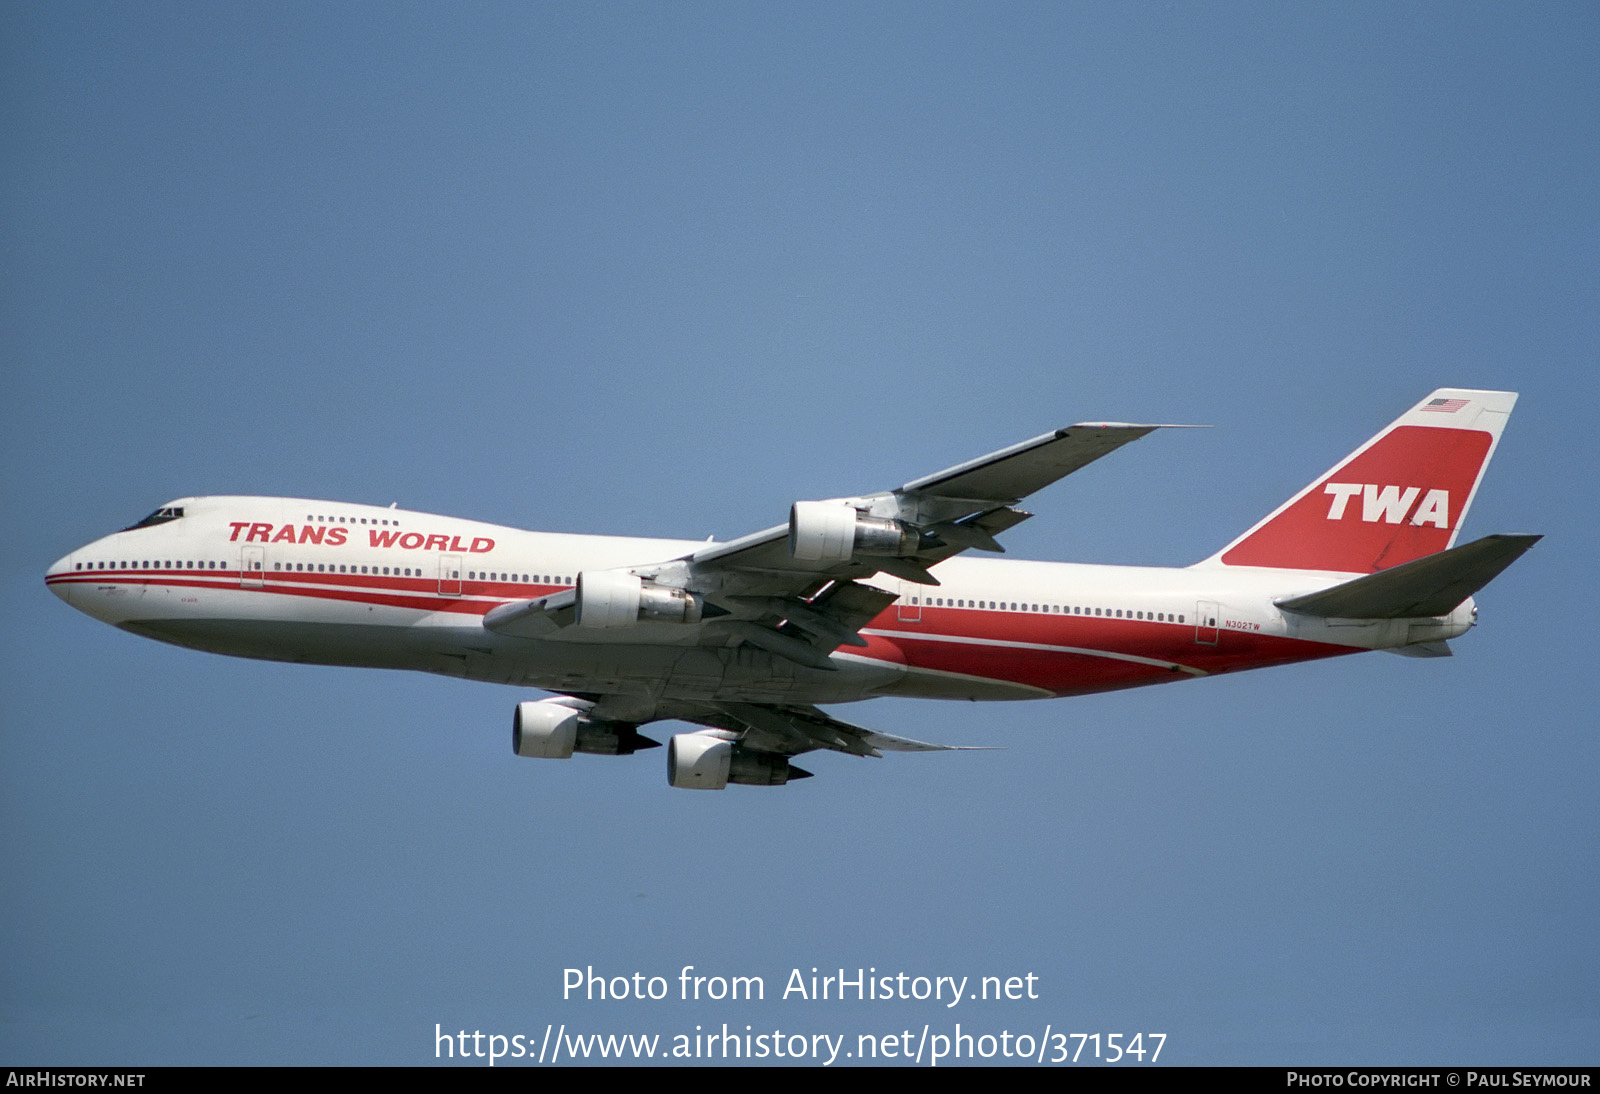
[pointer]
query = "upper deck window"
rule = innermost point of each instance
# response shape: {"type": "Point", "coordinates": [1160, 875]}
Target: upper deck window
{"type": "Point", "coordinates": [160, 516]}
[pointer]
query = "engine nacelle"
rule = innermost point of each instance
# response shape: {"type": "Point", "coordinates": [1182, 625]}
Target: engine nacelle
{"type": "Point", "coordinates": [702, 761]}
{"type": "Point", "coordinates": [832, 531]}
{"type": "Point", "coordinates": [606, 598]}
{"type": "Point", "coordinates": [546, 729]}
{"type": "Point", "coordinates": [553, 729]}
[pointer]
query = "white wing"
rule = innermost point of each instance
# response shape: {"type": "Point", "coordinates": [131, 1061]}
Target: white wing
{"type": "Point", "coordinates": [796, 590]}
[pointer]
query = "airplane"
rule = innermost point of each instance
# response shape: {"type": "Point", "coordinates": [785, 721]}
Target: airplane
{"type": "Point", "coordinates": [852, 598]}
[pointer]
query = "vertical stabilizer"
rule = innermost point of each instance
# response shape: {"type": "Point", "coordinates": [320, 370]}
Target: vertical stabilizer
{"type": "Point", "coordinates": [1401, 496]}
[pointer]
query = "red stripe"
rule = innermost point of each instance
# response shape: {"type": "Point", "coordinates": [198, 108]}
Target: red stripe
{"type": "Point", "coordinates": [506, 589]}
{"type": "Point", "coordinates": [1066, 673]}
{"type": "Point", "coordinates": [1059, 671]}
{"type": "Point", "coordinates": [388, 596]}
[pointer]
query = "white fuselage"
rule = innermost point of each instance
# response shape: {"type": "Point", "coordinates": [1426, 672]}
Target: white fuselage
{"type": "Point", "coordinates": [330, 583]}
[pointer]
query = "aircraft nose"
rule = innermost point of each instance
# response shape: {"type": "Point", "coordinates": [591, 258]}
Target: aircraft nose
{"type": "Point", "coordinates": [55, 578]}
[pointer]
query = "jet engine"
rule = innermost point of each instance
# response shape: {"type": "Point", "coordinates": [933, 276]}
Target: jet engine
{"type": "Point", "coordinates": [606, 598]}
{"type": "Point", "coordinates": [832, 531]}
{"type": "Point", "coordinates": [553, 729]}
{"type": "Point", "coordinates": [705, 761]}
{"type": "Point", "coordinates": [545, 729]}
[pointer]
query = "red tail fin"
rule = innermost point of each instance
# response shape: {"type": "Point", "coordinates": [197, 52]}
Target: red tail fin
{"type": "Point", "coordinates": [1399, 497]}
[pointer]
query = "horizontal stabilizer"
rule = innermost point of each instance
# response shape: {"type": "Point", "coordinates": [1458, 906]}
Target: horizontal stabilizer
{"type": "Point", "coordinates": [1441, 648]}
{"type": "Point", "coordinates": [1433, 585]}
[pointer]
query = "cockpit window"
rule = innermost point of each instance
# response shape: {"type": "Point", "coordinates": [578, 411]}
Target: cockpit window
{"type": "Point", "coordinates": [160, 516]}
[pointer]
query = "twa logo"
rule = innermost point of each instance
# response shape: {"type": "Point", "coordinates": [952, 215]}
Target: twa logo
{"type": "Point", "coordinates": [1389, 504]}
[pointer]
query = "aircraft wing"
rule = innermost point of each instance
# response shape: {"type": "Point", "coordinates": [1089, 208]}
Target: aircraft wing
{"type": "Point", "coordinates": [1013, 473]}
{"type": "Point", "coordinates": [796, 589]}
{"type": "Point", "coordinates": [789, 731]}
{"type": "Point", "coordinates": [959, 508]}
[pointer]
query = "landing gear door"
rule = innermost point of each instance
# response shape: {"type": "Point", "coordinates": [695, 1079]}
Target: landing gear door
{"type": "Point", "coordinates": [449, 575]}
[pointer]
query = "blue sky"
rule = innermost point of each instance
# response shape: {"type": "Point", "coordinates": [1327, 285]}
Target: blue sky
{"type": "Point", "coordinates": [662, 270]}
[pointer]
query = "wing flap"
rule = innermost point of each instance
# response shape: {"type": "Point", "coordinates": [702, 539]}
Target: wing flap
{"type": "Point", "coordinates": [787, 646]}
{"type": "Point", "coordinates": [906, 744]}
{"type": "Point", "coordinates": [790, 731]}
{"type": "Point", "coordinates": [536, 618]}
{"type": "Point", "coordinates": [852, 605]}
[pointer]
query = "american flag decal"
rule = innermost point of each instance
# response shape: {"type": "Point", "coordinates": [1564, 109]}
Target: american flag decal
{"type": "Point", "coordinates": [1444, 406]}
